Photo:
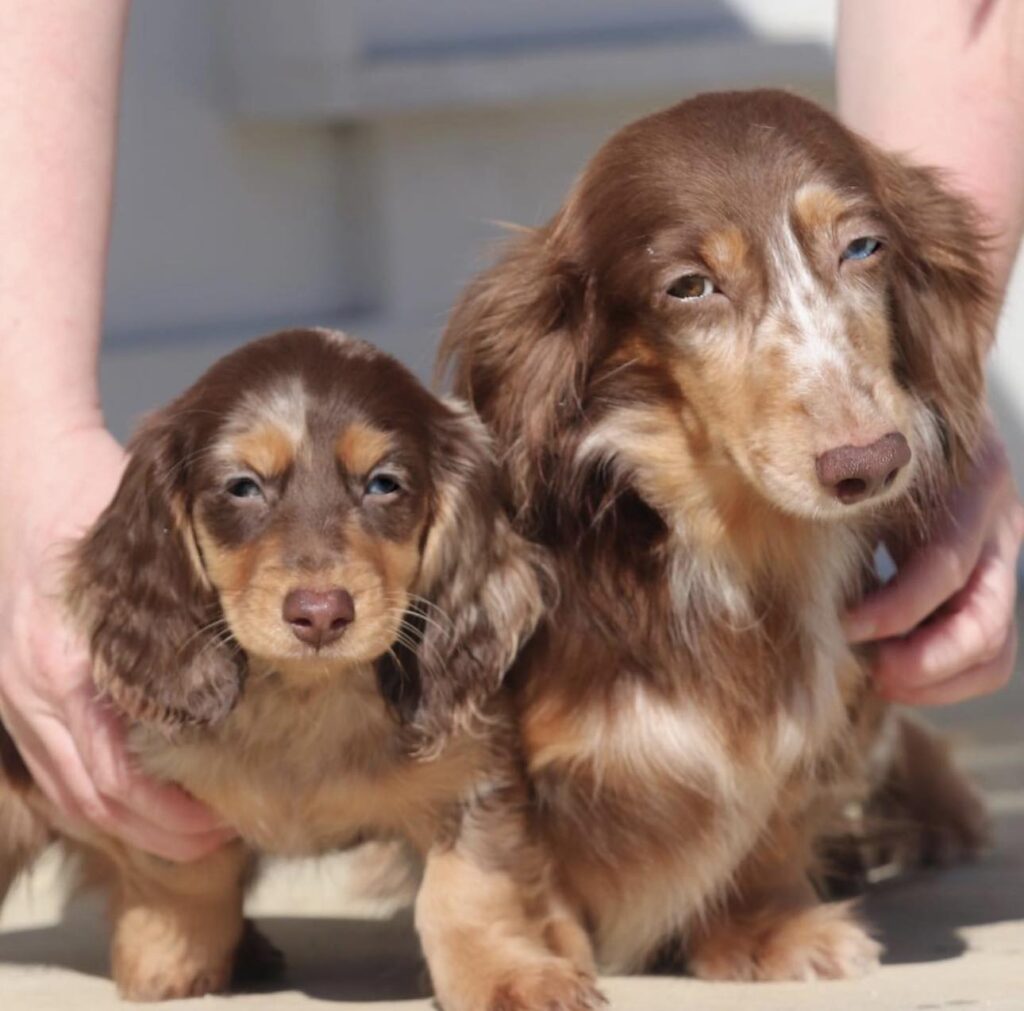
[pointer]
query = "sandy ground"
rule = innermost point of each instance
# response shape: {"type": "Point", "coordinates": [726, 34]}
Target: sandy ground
{"type": "Point", "coordinates": [954, 939]}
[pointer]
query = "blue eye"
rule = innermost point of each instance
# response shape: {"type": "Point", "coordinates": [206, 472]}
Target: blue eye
{"type": "Point", "coordinates": [862, 248]}
{"type": "Point", "coordinates": [244, 487]}
{"type": "Point", "coordinates": [382, 484]}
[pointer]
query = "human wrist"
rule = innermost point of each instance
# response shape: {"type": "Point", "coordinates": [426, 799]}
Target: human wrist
{"type": "Point", "coordinates": [30, 430]}
{"type": "Point", "coordinates": [57, 481]}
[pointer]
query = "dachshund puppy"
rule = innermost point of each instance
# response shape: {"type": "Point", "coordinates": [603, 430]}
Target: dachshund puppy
{"type": "Point", "coordinates": [303, 599]}
{"type": "Point", "coordinates": [747, 347]}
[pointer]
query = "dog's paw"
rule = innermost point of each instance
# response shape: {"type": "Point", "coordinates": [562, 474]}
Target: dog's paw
{"type": "Point", "coordinates": [821, 942]}
{"type": "Point", "coordinates": [153, 959]}
{"type": "Point", "coordinates": [552, 985]}
{"type": "Point", "coordinates": [956, 833]}
{"type": "Point", "coordinates": [156, 978]}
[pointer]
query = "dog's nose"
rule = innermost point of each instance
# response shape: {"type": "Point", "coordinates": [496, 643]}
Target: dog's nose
{"type": "Point", "coordinates": [318, 617]}
{"type": "Point", "coordinates": [855, 473]}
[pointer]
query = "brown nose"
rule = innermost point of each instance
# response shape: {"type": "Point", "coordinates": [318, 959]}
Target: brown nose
{"type": "Point", "coordinates": [855, 473]}
{"type": "Point", "coordinates": [318, 617]}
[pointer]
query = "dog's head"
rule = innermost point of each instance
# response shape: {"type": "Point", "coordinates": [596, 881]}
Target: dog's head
{"type": "Point", "coordinates": [307, 504]}
{"type": "Point", "coordinates": [738, 294]}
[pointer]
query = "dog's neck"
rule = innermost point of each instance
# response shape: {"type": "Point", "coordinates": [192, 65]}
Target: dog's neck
{"type": "Point", "coordinates": [721, 541]}
{"type": "Point", "coordinates": [762, 553]}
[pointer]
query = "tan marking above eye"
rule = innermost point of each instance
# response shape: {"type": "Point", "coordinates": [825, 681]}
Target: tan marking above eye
{"type": "Point", "coordinates": [817, 208]}
{"type": "Point", "coordinates": [266, 449]}
{"type": "Point", "coordinates": [359, 447]}
{"type": "Point", "coordinates": [725, 250]}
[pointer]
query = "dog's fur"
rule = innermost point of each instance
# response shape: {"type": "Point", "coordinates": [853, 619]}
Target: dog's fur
{"type": "Point", "coordinates": [395, 729]}
{"type": "Point", "coordinates": [691, 713]}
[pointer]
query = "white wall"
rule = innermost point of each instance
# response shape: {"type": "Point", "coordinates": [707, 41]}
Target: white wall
{"type": "Point", "coordinates": [216, 222]}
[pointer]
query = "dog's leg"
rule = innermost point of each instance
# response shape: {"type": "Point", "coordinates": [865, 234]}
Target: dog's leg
{"type": "Point", "coordinates": [176, 927]}
{"type": "Point", "coordinates": [929, 802]}
{"type": "Point", "coordinates": [23, 836]}
{"type": "Point", "coordinates": [24, 833]}
{"type": "Point", "coordinates": [494, 937]}
{"type": "Point", "coordinates": [773, 926]}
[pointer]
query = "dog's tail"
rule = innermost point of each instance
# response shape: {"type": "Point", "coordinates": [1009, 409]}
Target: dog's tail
{"type": "Point", "coordinates": [23, 833]}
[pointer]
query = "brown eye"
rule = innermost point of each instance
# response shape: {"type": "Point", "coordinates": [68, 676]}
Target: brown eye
{"type": "Point", "coordinates": [692, 287]}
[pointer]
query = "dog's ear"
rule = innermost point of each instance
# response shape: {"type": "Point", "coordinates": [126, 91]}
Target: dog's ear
{"type": "Point", "coordinates": [159, 647]}
{"type": "Point", "coordinates": [942, 303]}
{"type": "Point", "coordinates": [519, 343]}
{"type": "Point", "coordinates": [480, 584]}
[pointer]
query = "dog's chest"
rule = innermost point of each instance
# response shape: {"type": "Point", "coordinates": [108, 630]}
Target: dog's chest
{"type": "Point", "coordinates": [712, 732]}
{"type": "Point", "coordinates": [305, 775]}
{"type": "Point", "coordinates": [673, 790]}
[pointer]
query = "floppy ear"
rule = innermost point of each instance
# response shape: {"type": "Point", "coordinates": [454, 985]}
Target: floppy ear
{"type": "Point", "coordinates": [942, 303]}
{"type": "Point", "coordinates": [484, 584]}
{"type": "Point", "coordinates": [137, 585]}
{"type": "Point", "coordinates": [518, 342]}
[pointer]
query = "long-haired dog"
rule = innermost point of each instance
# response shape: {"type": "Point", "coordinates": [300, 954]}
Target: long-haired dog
{"type": "Point", "coordinates": [747, 347]}
{"type": "Point", "coordinates": [303, 599]}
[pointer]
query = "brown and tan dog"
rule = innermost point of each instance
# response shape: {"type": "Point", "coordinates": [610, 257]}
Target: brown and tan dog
{"type": "Point", "coordinates": [747, 347]}
{"type": "Point", "coordinates": [304, 598]}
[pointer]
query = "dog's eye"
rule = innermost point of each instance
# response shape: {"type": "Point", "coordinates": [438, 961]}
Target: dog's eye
{"type": "Point", "coordinates": [244, 487]}
{"type": "Point", "coordinates": [691, 287]}
{"type": "Point", "coordinates": [382, 484]}
{"type": "Point", "coordinates": [862, 248]}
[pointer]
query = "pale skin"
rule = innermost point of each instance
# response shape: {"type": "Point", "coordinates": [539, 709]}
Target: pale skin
{"type": "Point", "coordinates": [930, 64]}
{"type": "Point", "coordinates": [59, 71]}
{"type": "Point", "coordinates": [943, 82]}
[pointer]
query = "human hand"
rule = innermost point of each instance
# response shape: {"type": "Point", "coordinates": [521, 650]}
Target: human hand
{"type": "Point", "coordinates": [74, 745]}
{"type": "Point", "coordinates": [944, 627]}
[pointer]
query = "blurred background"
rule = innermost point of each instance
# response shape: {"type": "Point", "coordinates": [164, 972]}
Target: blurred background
{"type": "Point", "coordinates": [346, 162]}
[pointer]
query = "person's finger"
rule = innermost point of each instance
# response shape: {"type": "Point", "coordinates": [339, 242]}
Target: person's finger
{"type": "Point", "coordinates": [165, 806]}
{"type": "Point", "coordinates": [931, 575]}
{"type": "Point", "coordinates": [176, 848]}
{"type": "Point", "coordinates": [59, 771]}
{"type": "Point", "coordinates": [970, 630]}
{"type": "Point", "coordinates": [99, 737]}
{"type": "Point", "coordinates": [973, 683]}
{"type": "Point", "coordinates": [159, 818]}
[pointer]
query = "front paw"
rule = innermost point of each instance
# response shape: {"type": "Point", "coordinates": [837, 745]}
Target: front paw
{"type": "Point", "coordinates": [820, 942]}
{"type": "Point", "coordinates": [551, 985]}
{"type": "Point", "coordinates": [154, 977]}
{"type": "Point", "coordinates": [157, 958]}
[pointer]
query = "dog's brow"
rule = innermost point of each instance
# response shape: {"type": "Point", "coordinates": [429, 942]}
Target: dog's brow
{"type": "Point", "coordinates": [359, 446]}
{"type": "Point", "coordinates": [817, 207]}
{"type": "Point", "coordinates": [265, 448]}
{"type": "Point", "coordinates": [724, 250]}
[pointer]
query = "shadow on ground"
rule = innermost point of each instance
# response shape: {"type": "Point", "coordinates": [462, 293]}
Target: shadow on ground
{"type": "Point", "coordinates": [920, 917]}
{"type": "Point", "coordinates": [327, 958]}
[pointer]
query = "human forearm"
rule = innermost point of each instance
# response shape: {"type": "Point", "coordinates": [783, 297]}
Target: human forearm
{"type": "Point", "coordinates": [943, 81]}
{"type": "Point", "coordinates": [59, 75]}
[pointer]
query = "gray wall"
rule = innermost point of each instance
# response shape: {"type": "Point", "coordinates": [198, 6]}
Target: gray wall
{"type": "Point", "coordinates": [227, 226]}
